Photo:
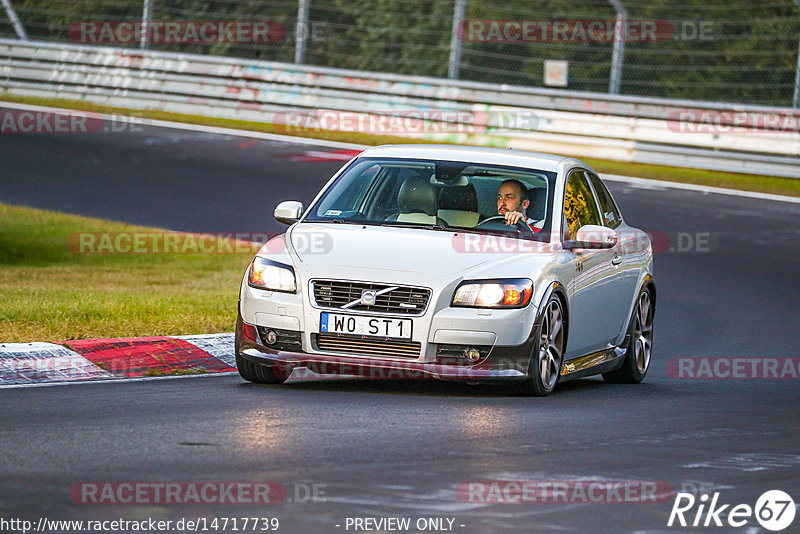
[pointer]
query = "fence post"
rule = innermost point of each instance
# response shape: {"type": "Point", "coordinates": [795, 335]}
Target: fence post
{"type": "Point", "coordinates": [147, 16]}
{"type": "Point", "coordinates": [455, 39]}
{"type": "Point", "coordinates": [12, 16]}
{"type": "Point", "coordinates": [301, 32]}
{"type": "Point", "coordinates": [796, 97]}
{"type": "Point", "coordinates": [618, 56]}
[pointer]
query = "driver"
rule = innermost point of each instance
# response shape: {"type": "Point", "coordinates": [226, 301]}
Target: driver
{"type": "Point", "coordinates": [512, 202]}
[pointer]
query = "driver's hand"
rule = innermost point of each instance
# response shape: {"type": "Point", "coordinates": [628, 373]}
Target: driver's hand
{"type": "Point", "coordinates": [512, 217]}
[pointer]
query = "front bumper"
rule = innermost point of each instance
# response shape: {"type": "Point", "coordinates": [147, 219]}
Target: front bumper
{"type": "Point", "coordinates": [502, 363]}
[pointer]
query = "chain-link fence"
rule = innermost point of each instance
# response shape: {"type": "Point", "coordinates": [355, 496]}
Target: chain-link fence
{"type": "Point", "coordinates": [715, 50]}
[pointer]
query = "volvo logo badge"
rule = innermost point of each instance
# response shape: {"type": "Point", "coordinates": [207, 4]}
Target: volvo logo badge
{"type": "Point", "coordinates": [368, 297]}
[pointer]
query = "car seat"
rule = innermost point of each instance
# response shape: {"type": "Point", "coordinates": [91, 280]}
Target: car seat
{"type": "Point", "coordinates": [538, 203]}
{"type": "Point", "coordinates": [458, 206]}
{"type": "Point", "coordinates": [416, 200]}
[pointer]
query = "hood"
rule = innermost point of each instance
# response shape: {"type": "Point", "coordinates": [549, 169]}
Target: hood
{"type": "Point", "coordinates": [411, 250]}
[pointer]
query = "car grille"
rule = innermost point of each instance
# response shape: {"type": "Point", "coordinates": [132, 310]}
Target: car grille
{"type": "Point", "coordinates": [367, 346]}
{"type": "Point", "coordinates": [403, 300]}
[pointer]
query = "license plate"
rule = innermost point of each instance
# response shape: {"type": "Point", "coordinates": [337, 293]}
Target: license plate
{"type": "Point", "coordinates": [337, 323]}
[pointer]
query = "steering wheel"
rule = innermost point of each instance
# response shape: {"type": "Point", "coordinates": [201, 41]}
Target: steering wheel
{"type": "Point", "coordinates": [521, 225]}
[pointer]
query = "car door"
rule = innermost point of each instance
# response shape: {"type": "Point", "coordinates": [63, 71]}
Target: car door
{"type": "Point", "coordinates": [592, 290]}
{"type": "Point", "coordinates": [628, 259]}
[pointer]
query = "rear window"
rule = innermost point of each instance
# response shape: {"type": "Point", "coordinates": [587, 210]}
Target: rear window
{"type": "Point", "coordinates": [610, 214]}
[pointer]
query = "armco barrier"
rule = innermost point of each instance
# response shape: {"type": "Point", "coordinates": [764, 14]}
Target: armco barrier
{"type": "Point", "coordinates": [670, 132]}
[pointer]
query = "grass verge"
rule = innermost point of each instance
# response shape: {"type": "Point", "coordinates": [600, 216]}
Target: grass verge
{"type": "Point", "coordinates": [49, 291]}
{"type": "Point", "coordinates": [744, 182]}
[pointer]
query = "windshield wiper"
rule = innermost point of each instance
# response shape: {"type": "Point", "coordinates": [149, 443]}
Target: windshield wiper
{"type": "Point", "coordinates": [445, 228]}
{"type": "Point", "coordinates": [399, 224]}
{"type": "Point", "coordinates": [337, 220]}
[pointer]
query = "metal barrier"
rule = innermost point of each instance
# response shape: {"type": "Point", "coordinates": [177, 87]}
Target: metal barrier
{"type": "Point", "coordinates": [729, 137]}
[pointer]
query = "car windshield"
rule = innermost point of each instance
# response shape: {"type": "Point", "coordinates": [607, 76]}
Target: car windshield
{"type": "Point", "coordinates": [434, 195]}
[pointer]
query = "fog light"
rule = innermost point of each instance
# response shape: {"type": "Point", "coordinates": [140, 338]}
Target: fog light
{"type": "Point", "coordinates": [472, 354]}
{"type": "Point", "coordinates": [271, 337]}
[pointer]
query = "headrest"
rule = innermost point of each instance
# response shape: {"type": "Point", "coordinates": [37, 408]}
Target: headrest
{"type": "Point", "coordinates": [538, 198]}
{"type": "Point", "coordinates": [417, 195]}
{"type": "Point", "coordinates": [458, 198]}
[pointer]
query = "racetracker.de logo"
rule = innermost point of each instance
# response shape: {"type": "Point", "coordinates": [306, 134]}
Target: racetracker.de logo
{"type": "Point", "coordinates": [733, 368]}
{"type": "Point", "coordinates": [400, 122]}
{"type": "Point", "coordinates": [177, 493]}
{"type": "Point", "coordinates": [566, 31]}
{"type": "Point", "coordinates": [164, 243]}
{"type": "Point", "coordinates": [705, 121]}
{"type": "Point", "coordinates": [50, 368]}
{"type": "Point", "coordinates": [23, 121]}
{"type": "Point", "coordinates": [186, 243]}
{"type": "Point", "coordinates": [632, 241]}
{"type": "Point", "coordinates": [564, 491]}
{"type": "Point", "coordinates": [120, 32]}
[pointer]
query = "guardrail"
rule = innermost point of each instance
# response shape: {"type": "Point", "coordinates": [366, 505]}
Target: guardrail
{"type": "Point", "coordinates": [729, 137]}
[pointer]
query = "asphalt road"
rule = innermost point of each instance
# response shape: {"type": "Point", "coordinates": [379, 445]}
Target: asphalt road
{"type": "Point", "coordinates": [727, 288]}
{"type": "Point", "coordinates": [173, 179]}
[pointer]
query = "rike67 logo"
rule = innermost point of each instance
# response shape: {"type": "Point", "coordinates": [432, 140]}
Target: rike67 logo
{"type": "Point", "coordinates": [774, 510]}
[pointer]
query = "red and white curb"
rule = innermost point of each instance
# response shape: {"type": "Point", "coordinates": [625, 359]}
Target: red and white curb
{"type": "Point", "coordinates": [117, 358]}
{"type": "Point", "coordinates": [122, 359]}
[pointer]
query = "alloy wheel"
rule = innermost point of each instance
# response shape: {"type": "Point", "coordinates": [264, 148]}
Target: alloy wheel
{"type": "Point", "coordinates": [551, 345]}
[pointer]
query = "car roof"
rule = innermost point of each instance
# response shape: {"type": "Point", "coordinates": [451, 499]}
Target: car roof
{"type": "Point", "coordinates": [471, 154]}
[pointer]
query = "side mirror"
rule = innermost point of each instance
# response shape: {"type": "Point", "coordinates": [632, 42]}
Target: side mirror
{"type": "Point", "coordinates": [289, 211]}
{"type": "Point", "coordinates": [593, 236]}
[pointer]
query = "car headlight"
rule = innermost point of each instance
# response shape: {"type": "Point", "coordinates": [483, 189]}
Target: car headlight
{"type": "Point", "coordinates": [500, 293]}
{"type": "Point", "coordinates": [271, 275]}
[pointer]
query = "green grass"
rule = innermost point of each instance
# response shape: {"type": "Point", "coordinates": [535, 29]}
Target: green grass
{"type": "Point", "coordinates": [49, 292]}
{"type": "Point", "coordinates": [745, 182]}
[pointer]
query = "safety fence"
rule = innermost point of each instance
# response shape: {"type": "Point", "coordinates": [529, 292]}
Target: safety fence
{"type": "Point", "coordinates": [712, 50]}
{"type": "Point", "coordinates": [298, 99]}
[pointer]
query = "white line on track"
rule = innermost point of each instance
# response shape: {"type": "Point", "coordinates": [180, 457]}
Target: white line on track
{"type": "Point", "coordinates": [658, 184]}
{"type": "Point", "coordinates": [114, 380]}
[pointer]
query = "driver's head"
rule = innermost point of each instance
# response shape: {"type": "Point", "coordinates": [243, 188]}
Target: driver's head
{"type": "Point", "coordinates": [512, 196]}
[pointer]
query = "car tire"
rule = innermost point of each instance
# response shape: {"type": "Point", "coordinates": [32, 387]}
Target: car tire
{"type": "Point", "coordinates": [639, 351]}
{"type": "Point", "coordinates": [256, 373]}
{"type": "Point", "coordinates": [547, 355]}
{"type": "Point", "coordinates": [253, 372]}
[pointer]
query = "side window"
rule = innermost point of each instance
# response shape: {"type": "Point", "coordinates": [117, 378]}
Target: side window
{"type": "Point", "coordinates": [580, 207]}
{"type": "Point", "coordinates": [609, 212]}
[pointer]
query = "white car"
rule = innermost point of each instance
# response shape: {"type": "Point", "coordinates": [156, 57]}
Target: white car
{"type": "Point", "coordinates": [406, 265]}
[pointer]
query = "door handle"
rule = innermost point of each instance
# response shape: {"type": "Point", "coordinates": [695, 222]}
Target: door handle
{"type": "Point", "coordinates": [616, 260]}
